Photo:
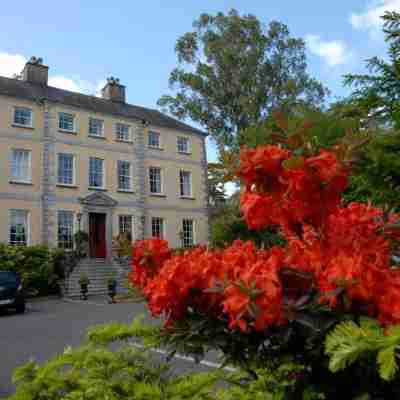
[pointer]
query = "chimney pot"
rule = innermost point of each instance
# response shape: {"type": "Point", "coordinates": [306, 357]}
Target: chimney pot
{"type": "Point", "coordinates": [35, 71]}
{"type": "Point", "coordinates": [113, 90]}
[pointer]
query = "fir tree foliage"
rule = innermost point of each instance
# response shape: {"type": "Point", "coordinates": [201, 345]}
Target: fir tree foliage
{"type": "Point", "coordinates": [348, 342]}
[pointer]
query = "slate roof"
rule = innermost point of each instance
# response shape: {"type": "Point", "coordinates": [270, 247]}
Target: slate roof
{"type": "Point", "coordinates": [31, 91]}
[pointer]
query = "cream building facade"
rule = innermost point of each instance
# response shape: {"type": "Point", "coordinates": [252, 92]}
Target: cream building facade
{"type": "Point", "coordinates": [70, 161]}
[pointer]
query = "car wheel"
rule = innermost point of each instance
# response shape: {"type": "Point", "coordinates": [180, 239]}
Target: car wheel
{"type": "Point", "coordinates": [20, 308]}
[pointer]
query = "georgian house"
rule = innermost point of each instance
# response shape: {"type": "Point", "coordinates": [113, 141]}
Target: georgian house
{"type": "Point", "coordinates": [70, 161]}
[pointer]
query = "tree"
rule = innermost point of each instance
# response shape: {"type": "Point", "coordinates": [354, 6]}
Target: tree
{"type": "Point", "coordinates": [216, 188]}
{"type": "Point", "coordinates": [377, 176]}
{"type": "Point", "coordinates": [378, 93]}
{"type": "Point", "coordinates": [233, 71]}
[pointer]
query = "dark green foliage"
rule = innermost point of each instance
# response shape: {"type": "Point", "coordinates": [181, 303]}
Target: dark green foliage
{"type": "Point", "coordinates": [322, 129]}
{"type": "Point", "coordinates": [81, 241]}
{"type": "Point", "coordinates": [376, 178]}
{"type": "Point", "coordinates": [39, 268]}
{"type": "Point", "coordinates": [378, 94]}
{"type": "Point", "coordinates": [237, 72]}
{"type": "Point", "coordinates": [228, 225]}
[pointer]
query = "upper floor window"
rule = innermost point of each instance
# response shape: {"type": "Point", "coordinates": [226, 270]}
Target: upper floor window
{"type": "Point", "coordinates": [66, 169]}
{"type": "Point", "coordinates": [157, 227]}
{"type": "Point", "coordinates": [66, 230]}
{"type": "Point", "coordinates": [155, 178]}
{"type": "Point", "coordinates": [18, 228]}
{"type": "Point", "coordinates": [124, 175]}
{"type": "Point", "coordinates": [126, 226]}
{"type": "Point", "coordinates": [187, 233]}
{"type": "Point", "coordinates": [154, 139]}
{"type": "Point", "coordinates": [66, 122]}
{"type": "Point", "coordinates": [123, 132]}
{"type": "Point", "coordinates": [21, 166]}
{"type": "Point", "coordinates": [96, 173]}
{"type": "Point", "coordinates": [185, 180]}
{"type": "Point", "coordinates": [23, 116]}
{"type": "Point", "coordinates": [96, 127]}
{"type": "Point", "coordinates": [183, 145]}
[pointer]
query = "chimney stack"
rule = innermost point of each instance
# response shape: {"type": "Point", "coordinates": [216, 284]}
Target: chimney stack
{"type": "Point", "coordinates": [113, 90]}
{"type": "Point", "coordinates": [35, 72]}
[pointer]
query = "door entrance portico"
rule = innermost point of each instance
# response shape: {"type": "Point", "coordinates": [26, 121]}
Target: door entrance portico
{"type": "Point", "coordinates": [97, 218]}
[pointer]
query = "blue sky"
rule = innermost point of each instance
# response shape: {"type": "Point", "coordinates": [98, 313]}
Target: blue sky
{"type": "Point", "coordinates": [84, 42]}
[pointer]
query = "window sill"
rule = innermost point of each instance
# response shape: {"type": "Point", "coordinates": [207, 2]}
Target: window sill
{"type": "Point", "coordinates": [22, 126]}
{"type": "Point", "coordinates": [97, 188]}
{"type": "Point", "coordinates": [157, 195]}
{"type": "Point", "coordinates": [97, 137]}
{"type": "Point", "coordinates": [66, 185]}
{"type": "Point", "coordinates": [21, 183]}
{"type": "Point", "coordinates": [155, 148]}
{"type": "Point", "coordinates": [124, 141]}
{"type": "Point", "coordinates": [125, 191]}
{"type": "Point", "coordinates": [67, 131]}
{"type": "Point", "coordinates": [187, 198]}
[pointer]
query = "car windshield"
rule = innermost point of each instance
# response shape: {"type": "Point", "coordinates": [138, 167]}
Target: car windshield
{"type": "Point", "coordinates": [7, 277]}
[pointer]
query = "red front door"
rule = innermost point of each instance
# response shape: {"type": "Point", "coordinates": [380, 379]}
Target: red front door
{"type": "Point", "coordinates": [97, 235]}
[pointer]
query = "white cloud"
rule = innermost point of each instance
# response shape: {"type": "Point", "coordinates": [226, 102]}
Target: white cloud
{"type": "Point", "coordinates": [62, 82]}
{"type": "Point", "coordinates": [333, 52]}
{"type": "Point", "coordinates": [13, 64]}
{"type": "Point", "coordinates": [370, 19]}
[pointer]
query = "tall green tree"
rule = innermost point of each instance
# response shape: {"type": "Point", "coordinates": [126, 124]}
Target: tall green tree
{"type": "Point", "coordinates": [233, 71]}
{"type": "Point", "coordinates": [378, 93]}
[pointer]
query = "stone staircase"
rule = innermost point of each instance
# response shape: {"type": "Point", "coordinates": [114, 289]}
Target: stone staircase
{"type": "Point", "coordinates": [98, 270]}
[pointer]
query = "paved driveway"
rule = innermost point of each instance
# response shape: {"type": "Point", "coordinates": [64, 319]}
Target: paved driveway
{"type": "Point", "coordinates": [49, 326]}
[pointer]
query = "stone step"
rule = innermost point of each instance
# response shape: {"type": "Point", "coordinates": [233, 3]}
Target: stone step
{"type": "Point", "coordinates": [98, 271]}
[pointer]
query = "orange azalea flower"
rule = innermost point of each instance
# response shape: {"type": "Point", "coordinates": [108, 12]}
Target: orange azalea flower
{"type": "Point", "coordinates": [328, 247]}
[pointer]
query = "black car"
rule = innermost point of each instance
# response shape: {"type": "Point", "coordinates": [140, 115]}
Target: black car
{"type": "Point", "coordinates": [11, 294]}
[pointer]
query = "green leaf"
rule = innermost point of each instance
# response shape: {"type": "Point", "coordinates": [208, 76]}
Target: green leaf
{"type": "Point", "coordinates": [293, 163]}
{"type": "Point", "coordinates": [387, 363]}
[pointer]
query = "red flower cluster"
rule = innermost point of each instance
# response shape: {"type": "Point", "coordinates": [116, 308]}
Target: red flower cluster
{"type": "Point", "coordinates": [240, 284]}
{"type": "Point", "coordinates": [347, 248]}
{"type": "Point", "coordinates": [286, 190]}
{"type": "Point", "coordinates": [148, 256]}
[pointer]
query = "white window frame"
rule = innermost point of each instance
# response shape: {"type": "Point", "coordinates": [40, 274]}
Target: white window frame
{"type": "Point", "coordinates": [190, 195]}
{"type": "Point", "coordinates": [14, 179]}
{"type": "Point", "coordinates": [73, 229]}
{"type": "Point", "coordinates": [189, 145]}
{"type": "Point", "coordinates": [132, 225]}
{"type": "Point", "coordinates": [103, 174]}
{"type": "Point", "coordinates": [161, 193]}
{"type": "Point", "coordinates": [163, 230]}
{"type": "Point", "coordinates": [73, 130]}
{"type": "Point", "coordinates": [159, 147]}
{"type": "Point", "coordinates": [28, 226]}
{"type": "Point", "coordinates": [101, 135]}
{"type": "Point", "coordinates": [73, 184]}
{"type": "Point", "coordinates": [193, 232]}
{"type": "Point", "coordinates": [130, 189]}
{"type": "Point", "coordinates": [116, 130]}
{"type": "Point", "coordinates": [18, 123]}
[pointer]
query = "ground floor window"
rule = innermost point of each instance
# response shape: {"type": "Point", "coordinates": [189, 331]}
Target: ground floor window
{"type": "Point", "coordinates": [157, 227]}
{"type": "Point", "coordinates": [125, 225]}
{"type": "Point", "coordinates": [66, 230]}
{"type": "Point", "coordinates": [19, 230]}
{"type": "Point", "coordinates": [187, 233]}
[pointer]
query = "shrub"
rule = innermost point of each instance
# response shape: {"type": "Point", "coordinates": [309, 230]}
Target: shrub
{"type": "Point", "coordinates": [104, 369]}
{"type": "Point", "coordinates": [327, 299]}
{"type": "Point", "coordinates": [39, 267]}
